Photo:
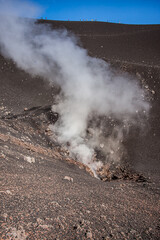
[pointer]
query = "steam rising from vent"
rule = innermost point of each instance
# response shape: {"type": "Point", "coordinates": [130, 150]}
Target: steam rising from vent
{"type": "Point", "coordinates": [96, 106]}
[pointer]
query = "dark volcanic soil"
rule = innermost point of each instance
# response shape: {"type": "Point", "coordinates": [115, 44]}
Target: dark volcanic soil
{"type": "Point", "coordinates": [47, 195]}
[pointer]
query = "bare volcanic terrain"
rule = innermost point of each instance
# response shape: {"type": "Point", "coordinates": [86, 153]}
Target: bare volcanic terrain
{"type": "Point", "coordinates": [47, 194]}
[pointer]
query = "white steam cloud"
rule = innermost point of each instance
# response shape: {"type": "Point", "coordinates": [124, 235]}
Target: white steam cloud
{"type": "Point", "coordinates": [96, 106]}
{"type": "Point", "coordinates": [19, 8]}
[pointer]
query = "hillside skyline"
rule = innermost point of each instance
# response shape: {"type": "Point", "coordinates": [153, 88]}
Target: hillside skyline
{"type": "Point", "coordinates": [128, 12]}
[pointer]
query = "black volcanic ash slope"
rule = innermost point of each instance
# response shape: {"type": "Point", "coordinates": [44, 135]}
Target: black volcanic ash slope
{"type": "Point", "coordinates": [45, 197]}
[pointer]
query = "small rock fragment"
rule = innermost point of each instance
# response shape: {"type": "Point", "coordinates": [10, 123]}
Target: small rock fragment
{"type": "Point", "coordinates": [39, 221]}
{"type": "Point", "coordinates": [68, 178]}
{"type": "Point", "coordinates": [44, 226]}
{"type": "Point", "coordinates": [2, 155]}
{"type": "Point", "coordinates": [9, 192]}
{"type": "Point", "coordinates": [55, 204]}
{"type": "Point", "coordinates": [29, 159]}
{"type": "Point", "coordinates": [101, 145]}
{"type": "Point", "coordinates": [89, 235]}
{"type": "Point", "coordinates": [5, 215]}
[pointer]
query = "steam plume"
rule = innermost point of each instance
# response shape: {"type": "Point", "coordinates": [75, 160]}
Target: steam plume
{"type": "Point", "coordinates": [96, 106]}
